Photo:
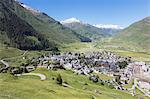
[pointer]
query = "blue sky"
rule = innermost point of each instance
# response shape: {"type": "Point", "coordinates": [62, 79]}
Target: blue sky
{"type": "Point", "coordinates": [121, 12]}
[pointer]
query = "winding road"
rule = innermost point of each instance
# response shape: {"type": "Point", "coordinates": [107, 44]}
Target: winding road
{"type": "Point", "coordinates": [42, 76]}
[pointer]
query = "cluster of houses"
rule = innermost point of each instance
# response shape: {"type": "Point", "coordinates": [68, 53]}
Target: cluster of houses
{"type": "Point", "coordinates": [87, 63]}
{"type": "Point", "coordinates": [135, 70]}
{"type": "Point", "coordinates": [139, 70]}
{"type": "Point", "coordinates": [80, 63]}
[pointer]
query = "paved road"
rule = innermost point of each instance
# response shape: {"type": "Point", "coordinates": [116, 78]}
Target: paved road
{"type": "Point", "coordinates": [42, 76]}
{"type": "Point", "coordinates": [136, 86]}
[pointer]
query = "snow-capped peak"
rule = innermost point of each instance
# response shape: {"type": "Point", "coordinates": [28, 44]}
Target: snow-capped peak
{"type": "Point", "coordinates": [71, 20]}
{"type": "Point", "coordinates": [107, 26]}
{"type": "Point", "coordinates": [27, 7]}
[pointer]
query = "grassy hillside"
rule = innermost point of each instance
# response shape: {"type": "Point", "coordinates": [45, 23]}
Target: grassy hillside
{"type": "Point", "coordinates": [26, 87]}
{"type": "Point", "coordinates": [136, 37]}
{"type": "Point", "coordinates": [28, 29]}
{"type": "Point", "coordinates": [87, 30]}
{"type": "Point", "coordinates": [46, 25]}
{"type": "Point", "coordinates": [16, 32]}
{"type": "Point", "coordinates": [8, 52]}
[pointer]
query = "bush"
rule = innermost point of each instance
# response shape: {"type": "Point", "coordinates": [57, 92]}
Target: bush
{"type": "Point", "coordinates": [101, 82]}
{"type": "Point", "coordinates": [92, 97]}
{"type": "Point", "coordinates": [59, 79]}
{"type": "Point", "coordinates": [123, 64]}
{"type": "Point", "coordinates": [117, 79]}
{"type": "Point", "coordinates": [110, 86]}
{"type": "Point", "coordinates": [53, 78]}
{"type": "Point", "coordinates": [85, 84]}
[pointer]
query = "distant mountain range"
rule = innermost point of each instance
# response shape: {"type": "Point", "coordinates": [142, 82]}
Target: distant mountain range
{"type": "Point", "coordinates": [29, 29]}
{"type": "Point", "coordinates": [108, 26]}
{"type": "Point", "coordinates": [95, 32]}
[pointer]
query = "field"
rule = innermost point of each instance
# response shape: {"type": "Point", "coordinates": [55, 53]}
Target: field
{"type": "Point", "coordinates": [15, 56]}
{"type": "Point", "coordinates": [103, 76]}
{"type": "Point", "coordinates": [101, 46]}
{"type": "Point", "coordinates": [30, 87]}
{"type": "Point", "coordinates": [8, 52]}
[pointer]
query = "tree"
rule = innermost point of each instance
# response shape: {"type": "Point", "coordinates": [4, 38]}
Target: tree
{"type": "Point", "coordinates": [28, 62]}
{"type": "Point", "coordinates": [117, 79]}
{"type": "Point", "coordinates": [122, 64]}
{"type": "Point", "coordinates": [101, 82]}
{"type": "Point", "coordinates": [92, 97]}
{"type": "Point", "coordinates": [110, 85]}
{"type": "Point", "coordinates": [59, 79]}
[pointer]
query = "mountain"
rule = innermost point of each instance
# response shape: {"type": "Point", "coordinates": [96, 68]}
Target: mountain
{"type": "Point", "coordinates": [87, 30]}
{"type": "Point", "coordinates": [71, 20]}
{"type": "Point", "coordinates": [16, 32]}
{"type": "Point", "coordinates": [136, 36]}
{"type": "Point", "coordinates": [29, 29]}
{"type": "Point", "coordinates": [109, 28]}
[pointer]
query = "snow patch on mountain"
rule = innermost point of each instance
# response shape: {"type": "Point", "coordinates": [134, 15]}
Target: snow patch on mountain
{"type": "Point", "coordinates": [101, 26]}
{"type": "Point", "coordinates": [108, 26]}
{"type": "Point", "coordinates": [27, 7]}
{"type": "Point", "coordinates": [71, 20]}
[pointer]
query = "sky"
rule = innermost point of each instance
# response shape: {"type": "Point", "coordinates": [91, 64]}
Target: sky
{"type": "Point", "coordinates": [120, 12]}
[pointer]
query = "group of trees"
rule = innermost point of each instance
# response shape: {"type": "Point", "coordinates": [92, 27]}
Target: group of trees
{"type": "Point", "coordinates": [122, 64]}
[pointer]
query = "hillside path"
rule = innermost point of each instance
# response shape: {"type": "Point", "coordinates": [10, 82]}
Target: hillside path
{"type": "Point", "coordinates": [42, 76]}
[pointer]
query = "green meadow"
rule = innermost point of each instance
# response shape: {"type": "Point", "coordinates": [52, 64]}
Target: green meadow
{"type": "Point", "coordinates": [30, 87]}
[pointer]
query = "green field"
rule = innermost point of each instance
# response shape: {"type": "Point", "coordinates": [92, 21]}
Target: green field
{"type": "Point", "coordinates": [8, 52]}
{"type": "Point", "coordinates": [103, 76]}
{"type": "Point", "coordinates": [15, 56]}
{"type": "Point", "coordinates": [102, 46]}
{"type": "Point", "coordinates": [30, 87]}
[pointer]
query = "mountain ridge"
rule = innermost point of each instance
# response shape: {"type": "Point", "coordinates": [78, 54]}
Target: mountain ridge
{"type": "Point", "coordinates": [136, 36]}
{"type": "Point", "coordinates": [49, 29]}
{"type": "Point", "coordinates": [88, 30]}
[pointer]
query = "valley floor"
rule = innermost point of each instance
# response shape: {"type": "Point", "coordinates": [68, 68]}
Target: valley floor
{"type": "Point", "coordinates": [30, 87]}
{"type": "Point", "coordinates": [98, 46]}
